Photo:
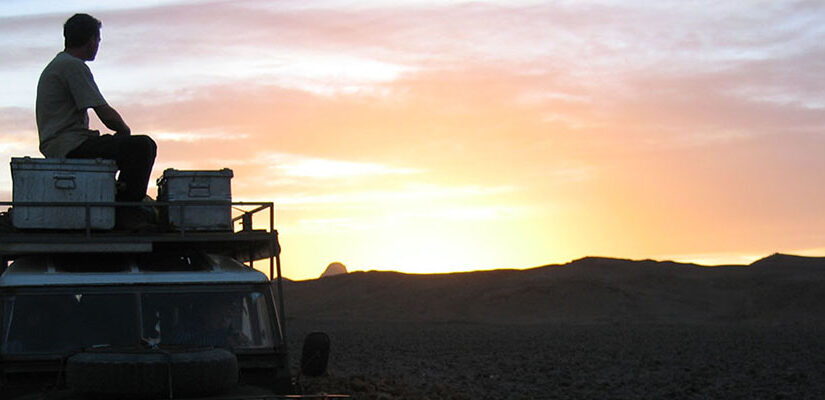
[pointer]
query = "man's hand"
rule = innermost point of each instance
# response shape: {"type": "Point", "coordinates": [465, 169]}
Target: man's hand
{"type": "Point", "coordinates": [112, 120]}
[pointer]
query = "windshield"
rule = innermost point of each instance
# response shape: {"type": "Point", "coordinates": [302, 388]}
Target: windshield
{"type": "Point", "coordinates": [59, 322]}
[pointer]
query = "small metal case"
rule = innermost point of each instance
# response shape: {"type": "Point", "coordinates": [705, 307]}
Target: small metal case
{"type": "Point", "coordinates": [192, 186]}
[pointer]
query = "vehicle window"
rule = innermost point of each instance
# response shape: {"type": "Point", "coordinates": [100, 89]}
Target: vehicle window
{"type": "Point", "coordinates": [61, 323]}
{"type": "Point", "coordinates": [65, 322]}
{"type": "Point", "coordinates": [237, 320]}
{"type": "Point", "coordinates": [83, 262]}
{"type": "Point", "coordinates": [171, 262]}
{"type": "Point", "coordinates": [224, 262]}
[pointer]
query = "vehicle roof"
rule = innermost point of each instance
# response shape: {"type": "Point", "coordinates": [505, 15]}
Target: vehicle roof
{"type": "Point", "coordinates": [45, 270]}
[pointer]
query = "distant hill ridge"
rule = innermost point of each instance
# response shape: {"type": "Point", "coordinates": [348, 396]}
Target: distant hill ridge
{"type": "Point", "coordinates": [789, 259]}
{"type": "Point", "coordinates": [779, 288]}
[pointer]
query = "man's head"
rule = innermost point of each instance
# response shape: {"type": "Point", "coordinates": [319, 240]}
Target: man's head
{"type": "Point", "coordinates": [82, 36]}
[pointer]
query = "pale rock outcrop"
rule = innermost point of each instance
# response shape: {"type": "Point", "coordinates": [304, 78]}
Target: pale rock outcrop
{"type": "Point", "coordinates": [335, 268]}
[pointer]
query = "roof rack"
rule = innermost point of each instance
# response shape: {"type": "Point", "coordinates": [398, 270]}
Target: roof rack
{"type": "Point", "coordinates": [244, 243]}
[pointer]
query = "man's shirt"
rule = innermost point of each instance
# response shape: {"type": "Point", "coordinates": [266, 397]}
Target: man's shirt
{"type": "Point", "coordinates": [64, 93]}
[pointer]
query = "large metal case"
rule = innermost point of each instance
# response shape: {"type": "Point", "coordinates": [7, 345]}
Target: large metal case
{"type": "Point", "coordinates": [62, 180]}
{"type": "Point", "coordinates": [191, 186]}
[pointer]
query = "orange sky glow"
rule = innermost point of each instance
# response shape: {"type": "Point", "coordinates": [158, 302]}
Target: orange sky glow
{"type": "Point", "coordinates": [440, 136]}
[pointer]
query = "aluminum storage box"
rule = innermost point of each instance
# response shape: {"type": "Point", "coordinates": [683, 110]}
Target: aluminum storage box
{"type": "Point", "coordinates": [192, 186]}
{"type": "Point", "coordinates": [62, 180]}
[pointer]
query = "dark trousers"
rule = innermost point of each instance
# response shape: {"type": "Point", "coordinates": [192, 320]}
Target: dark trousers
{"type": "Point", "coordinates": [134, 155]}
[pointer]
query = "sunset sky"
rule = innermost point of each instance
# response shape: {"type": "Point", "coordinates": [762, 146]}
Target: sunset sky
{"type": "Point", "coordinates": [439, 136]}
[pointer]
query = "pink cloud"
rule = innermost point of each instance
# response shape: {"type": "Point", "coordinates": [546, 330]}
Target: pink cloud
{"type": "Point", "coordinates": [663, 119]}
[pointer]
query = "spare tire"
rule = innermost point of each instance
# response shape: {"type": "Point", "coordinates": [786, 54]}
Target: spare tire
{"type": "Point", "coordinates": [146, 374]}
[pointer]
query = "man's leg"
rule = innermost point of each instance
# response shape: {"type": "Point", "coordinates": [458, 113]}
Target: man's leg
{"type": "Point", "coordinates": [134, 155]}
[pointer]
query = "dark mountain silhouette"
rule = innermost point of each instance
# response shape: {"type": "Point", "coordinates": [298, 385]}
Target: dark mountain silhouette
{"type": "Point", "coordinates": [776, 289]}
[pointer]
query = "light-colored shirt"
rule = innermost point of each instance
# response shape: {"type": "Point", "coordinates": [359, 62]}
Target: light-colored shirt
{"type": "Point", "coordinates": [64, 93]}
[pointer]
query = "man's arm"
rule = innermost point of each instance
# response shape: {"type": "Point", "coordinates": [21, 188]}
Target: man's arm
{"type": "Point", "coordinates": [112, 120]}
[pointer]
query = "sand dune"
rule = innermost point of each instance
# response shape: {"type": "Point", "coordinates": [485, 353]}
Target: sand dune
{"type": "Point", "coordinates": [776, 289]}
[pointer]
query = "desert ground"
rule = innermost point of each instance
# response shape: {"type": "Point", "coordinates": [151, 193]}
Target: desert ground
{"type": "Point", "coordinates": [484, 361]}
{"type": "Point", "coordinates": [626, 330]}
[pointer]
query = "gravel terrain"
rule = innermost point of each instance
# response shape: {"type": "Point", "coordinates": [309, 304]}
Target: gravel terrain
{"type": "Point", "coordinates": [595, 328]}
{"type": "Point", "coordinates": [420, 360]}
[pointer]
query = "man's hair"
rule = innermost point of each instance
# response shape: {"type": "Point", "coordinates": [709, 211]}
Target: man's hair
{"type": "Point", "coordinates": [79, 29]}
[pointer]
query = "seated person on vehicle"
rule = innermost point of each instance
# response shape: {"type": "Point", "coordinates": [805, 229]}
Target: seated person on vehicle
{"type": "Point", "coordinates": [65, 91]}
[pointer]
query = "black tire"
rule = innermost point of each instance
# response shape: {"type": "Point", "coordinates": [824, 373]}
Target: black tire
{"type": "Point", "coordinates": [146, 374]}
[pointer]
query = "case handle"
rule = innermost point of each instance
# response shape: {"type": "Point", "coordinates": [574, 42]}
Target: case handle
{"type": "Point", "coordinates": [65, 182]}
{"type": "Point", "coordinates": [199, 189]}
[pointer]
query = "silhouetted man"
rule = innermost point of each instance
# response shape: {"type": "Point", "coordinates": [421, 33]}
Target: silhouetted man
{"type": "Point", "coordinates": [65, 92]}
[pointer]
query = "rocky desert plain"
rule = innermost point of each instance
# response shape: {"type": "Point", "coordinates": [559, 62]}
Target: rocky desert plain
{"type": "Point", "coordinates": [595, 328]}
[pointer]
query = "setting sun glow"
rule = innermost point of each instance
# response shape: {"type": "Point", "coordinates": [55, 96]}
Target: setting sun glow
{"type": "Point", "coordinates": [443, 136]}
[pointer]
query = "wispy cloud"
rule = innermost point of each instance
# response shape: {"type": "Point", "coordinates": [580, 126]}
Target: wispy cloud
{"type": "Point", "coordinates": [189, 137]}
{"type": "Point", "coordinates": [14, 145]}
{"type": "Point", "coordinates": [420, 194]}
{"type": "Point", "coordinates": [626, 119]}
{"type": "Point", "coordinates": [18, 121]}
{"type": "Point", "coordinates": [17, 8]}
{"type": "Point", "coordinates": [392, 220]}
{"type": "Point", "coordinates": [297, 166]}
